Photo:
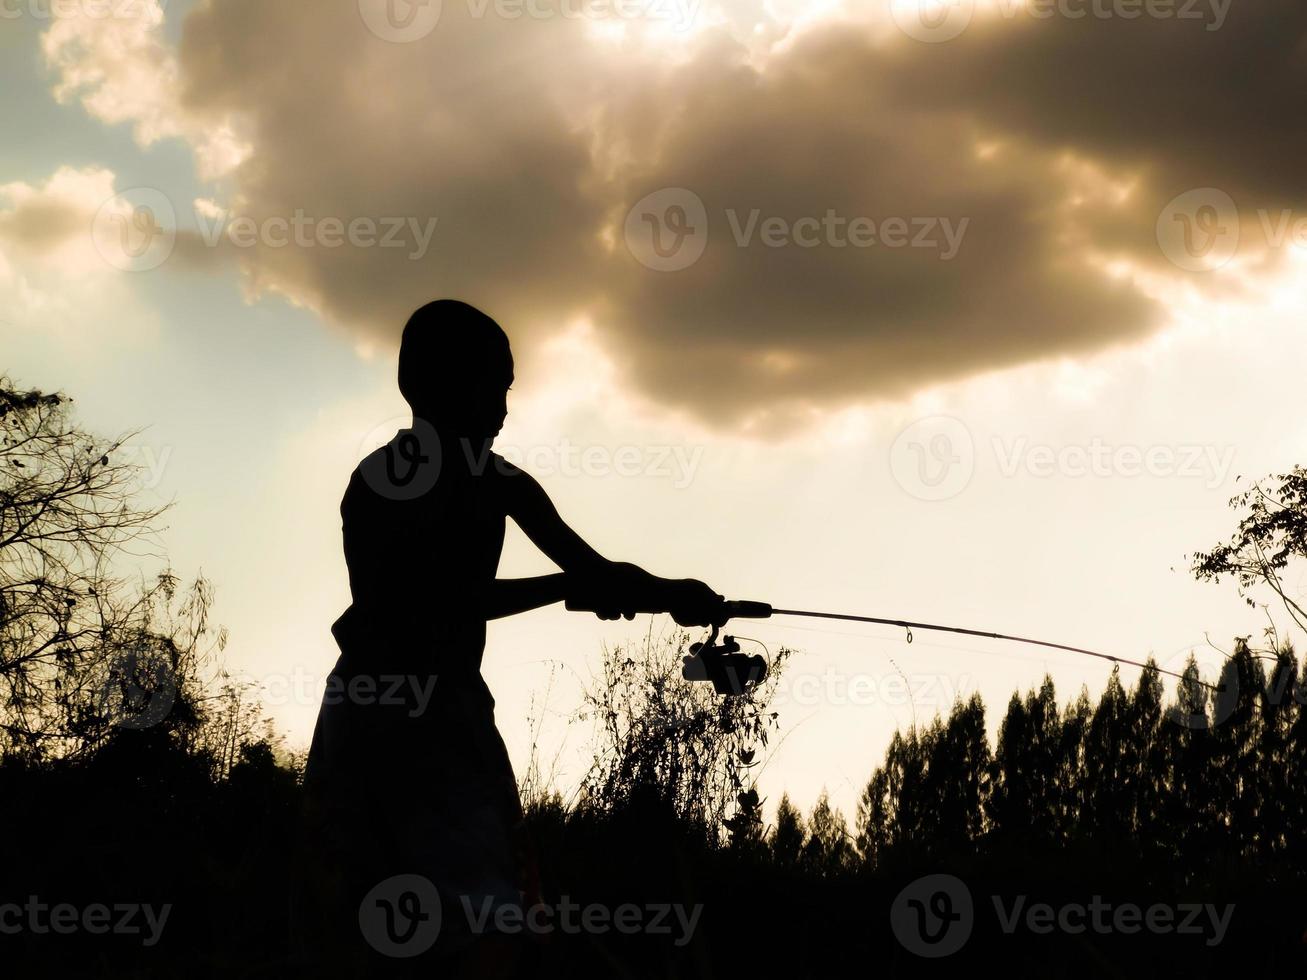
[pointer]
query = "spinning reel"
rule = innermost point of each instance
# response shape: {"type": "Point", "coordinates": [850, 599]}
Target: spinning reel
{"type": "Point", "coordinates": [730, 671]}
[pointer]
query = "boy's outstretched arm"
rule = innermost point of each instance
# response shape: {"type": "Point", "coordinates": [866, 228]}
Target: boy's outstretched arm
{"type": "Point", "coordinates": [611, 589]}
{"type": "Point", "coordinates": [510, 596]}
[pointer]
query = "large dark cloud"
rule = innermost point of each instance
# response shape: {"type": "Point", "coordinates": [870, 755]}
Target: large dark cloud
{"type": "Point", "coordinates": [459, 127]}
{"type": "Point", "coordinates": [1056, 141]}
{"type": "Point", "coordinates": [780, 330]}
{"type": "Point", "coordinates": [1204, 100]}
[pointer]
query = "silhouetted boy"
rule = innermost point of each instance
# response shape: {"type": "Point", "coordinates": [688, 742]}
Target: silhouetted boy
{"type": "Point", "coordinates": [407, 774]}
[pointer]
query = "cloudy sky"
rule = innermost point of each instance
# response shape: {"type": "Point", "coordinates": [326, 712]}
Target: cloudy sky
{"type": "Point", "coordinates": [969, 312]}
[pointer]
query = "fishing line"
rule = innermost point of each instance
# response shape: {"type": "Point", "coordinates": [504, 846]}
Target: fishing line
{"type": "Point", "coordinates": [909, 626]}
{"type": "Point", "coordinates": [970, 648]}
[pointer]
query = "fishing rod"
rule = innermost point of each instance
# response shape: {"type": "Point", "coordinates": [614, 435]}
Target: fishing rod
{"type": "Point", "coordinates": [732, 672]}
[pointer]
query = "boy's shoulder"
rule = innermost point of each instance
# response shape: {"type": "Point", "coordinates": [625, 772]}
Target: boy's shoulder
{"type": "Point", "coordinates": [503, 466]}
{"type": "Point", "coordinates": [401, 470]}
{"type": "Point", "coordinates": [395, 473]}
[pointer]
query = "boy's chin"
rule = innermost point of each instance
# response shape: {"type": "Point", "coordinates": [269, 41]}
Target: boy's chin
{"type": "Point", "coordinates": [477, 440]}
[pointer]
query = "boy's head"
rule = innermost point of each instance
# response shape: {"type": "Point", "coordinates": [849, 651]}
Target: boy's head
{"type": "Point", "coordinates": [455, 369]}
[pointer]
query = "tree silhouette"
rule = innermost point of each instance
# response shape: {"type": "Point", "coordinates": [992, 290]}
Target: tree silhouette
{"type": "Point", "coordinates": [87, 656]}
{"type": "Point", "coordinates": [789, 834]}
{"type": "Point", "coordinates": [1271, 534]}
{"type": "Point", "coordinates": [65, 512]}
{"type": "Point", "coordinates": [828, 849]}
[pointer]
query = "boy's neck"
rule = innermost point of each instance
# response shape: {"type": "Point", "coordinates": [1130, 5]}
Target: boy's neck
{"type": "Point", "coordinates": [457, 452]}
{"type": "Point", "coordinates": [470, 454]}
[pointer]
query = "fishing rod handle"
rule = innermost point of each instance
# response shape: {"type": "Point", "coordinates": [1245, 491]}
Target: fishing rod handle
{"type": "Point", "coordinates": [731, 609]}
{"type": "Point", "coordinates": [747, 609]}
